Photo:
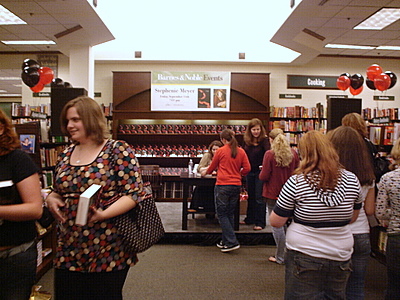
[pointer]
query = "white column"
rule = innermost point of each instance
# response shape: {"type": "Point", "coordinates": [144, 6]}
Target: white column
{"type": "Point", "coordinates": [81, 68]}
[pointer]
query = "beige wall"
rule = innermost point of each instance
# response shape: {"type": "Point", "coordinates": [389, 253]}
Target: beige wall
{"type": "Point", "coordinates": [319, 66]}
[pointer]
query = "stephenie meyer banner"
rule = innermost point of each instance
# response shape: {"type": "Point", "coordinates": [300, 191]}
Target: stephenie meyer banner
{"type": "Point", "coordinates": [190, 91]}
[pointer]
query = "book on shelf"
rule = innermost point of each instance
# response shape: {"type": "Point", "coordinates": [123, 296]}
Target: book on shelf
{"type": "Point", "coordinates": [375, 134]}
{"type": "Point", "coordinates": [389, 135]}
{"type": "Point", "coordinates": [86, 199]}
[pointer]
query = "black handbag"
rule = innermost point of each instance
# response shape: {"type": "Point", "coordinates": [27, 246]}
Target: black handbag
{"type": "Point", "coordinates": [141, 227]}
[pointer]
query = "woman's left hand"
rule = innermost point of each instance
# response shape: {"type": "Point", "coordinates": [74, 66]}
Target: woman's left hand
{"type": "Point", "coordinates": [96, 215]}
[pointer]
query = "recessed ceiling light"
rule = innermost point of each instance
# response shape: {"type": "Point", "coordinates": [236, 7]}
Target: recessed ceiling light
{"type": "Point", "coordinates": [388, 48]}
{"type": "Point", "coordinates": [339, 46]}
{"type": "Point", "coordinates": [28, 42]}
{"type": "Point", "coordinates": [8, 18]}
{"type": "Point", "coordinates": [380, 19]}
{"type": "Point", "coordinates": [10, 95]}
{"type": "Point", "coordinates": [3, 91]}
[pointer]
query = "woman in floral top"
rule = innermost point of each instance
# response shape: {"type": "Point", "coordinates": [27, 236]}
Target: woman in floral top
{"type": "Point", "coordinates": [90, 262]}
{"type": "Point", "coordinates": [388, 208]}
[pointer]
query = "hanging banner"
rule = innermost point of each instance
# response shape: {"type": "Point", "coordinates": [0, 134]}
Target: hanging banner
{"type": "Point", "coordinates": [190, 91]}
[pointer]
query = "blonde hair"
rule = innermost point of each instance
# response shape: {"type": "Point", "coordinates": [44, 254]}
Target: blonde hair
{"type": "Point", "coordinates": [355, 121]}
{"type": "Point", "coordinates": [395, 152]}
{"type": "Point", "coordinates": [319, 161]}
{"type": "Point", "coordinates": [281, 148]}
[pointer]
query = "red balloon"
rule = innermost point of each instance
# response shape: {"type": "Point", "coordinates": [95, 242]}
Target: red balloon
{"type": "Point", "coordinates": [46, 75]}
{"type": "Point", "coordinates": [37, 88]}
{"type": "Point", "coordinates": [343, 82]}
{"type": "Point", "coordinates": [373, 71]}
{"type": "Point", "coordinates": [356, 91]}
{"type": "Point", "coordinates": [382, 82]}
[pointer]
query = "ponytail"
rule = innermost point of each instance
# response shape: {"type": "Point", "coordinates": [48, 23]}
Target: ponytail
{"type": "Point", "coordinates": [229, 135]}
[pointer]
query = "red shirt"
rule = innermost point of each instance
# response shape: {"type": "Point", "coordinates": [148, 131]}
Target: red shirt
{"type": "Point", "coordinates": [274, 177]}
{"type": "Point", "coordinates": [230, 170]}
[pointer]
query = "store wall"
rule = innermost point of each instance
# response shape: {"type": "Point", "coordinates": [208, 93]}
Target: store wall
{"type": "Point", "coordinates": [323, 66]}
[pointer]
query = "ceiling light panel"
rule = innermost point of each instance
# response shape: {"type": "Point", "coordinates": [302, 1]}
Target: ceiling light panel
{"type": "Point", "coordinates": [28, 42]}
{"type": "Point", "coordinates": [384, 17]}
{"type": "Point", "coordinates": [8, 18]}
{"type": "Point", "coordinates": [339, 46]}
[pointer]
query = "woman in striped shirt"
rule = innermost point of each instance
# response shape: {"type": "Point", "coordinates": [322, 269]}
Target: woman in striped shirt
{"type": "Point", "coordinates": [322, 198]}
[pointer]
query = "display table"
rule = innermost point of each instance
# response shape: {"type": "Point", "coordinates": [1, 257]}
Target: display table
{"type": "Point", "coordinates": [190, 180]}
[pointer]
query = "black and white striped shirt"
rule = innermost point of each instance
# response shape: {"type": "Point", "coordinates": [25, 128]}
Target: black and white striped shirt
{"type": "Point", "coordinates": [313, 207]}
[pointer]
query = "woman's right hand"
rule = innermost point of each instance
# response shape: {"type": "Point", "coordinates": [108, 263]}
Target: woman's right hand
{"type": "Point", "coordinates": [54, 202]}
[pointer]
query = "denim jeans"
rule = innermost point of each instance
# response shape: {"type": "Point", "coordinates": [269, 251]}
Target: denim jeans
{"type": "Point", "coordinates": [308, 277]}
{"type": "Point", "coordinates": [256, 207]}
{"type": "Point", "coordinates": [393, 267]}
{"type": "Point", "coordinates": [17, 275]}
{"type": "Point", "coordinates": [226, 201]}
{"type": "Point", "coordinates": [279, 234]}
{"type": "Point", "coordinates": [359, 261]}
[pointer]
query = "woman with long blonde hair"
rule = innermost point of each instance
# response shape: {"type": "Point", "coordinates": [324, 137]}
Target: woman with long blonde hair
{"type": "Point", "coordinates": [323, 198]}
{"type": "Point", "coordinates": [278, 165]}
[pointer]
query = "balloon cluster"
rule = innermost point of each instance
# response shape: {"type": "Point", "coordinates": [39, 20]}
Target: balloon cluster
{"type": "Point", "coordinates": [35, 76]}
{"type": "Point", "coordinates": [354, 82]}
{"type": "Point", "coordinates": [377, 79]}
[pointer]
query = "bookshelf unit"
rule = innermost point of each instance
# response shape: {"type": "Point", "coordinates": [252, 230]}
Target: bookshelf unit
{"type": "Point", "coordinates": [187, 132]}
{"type": "Point", "coordinates": [297, 120]}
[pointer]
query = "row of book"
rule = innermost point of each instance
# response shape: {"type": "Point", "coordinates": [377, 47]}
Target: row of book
{"type": "Point", "coordinates": [298, 125]}
{"type": "Point", "coordinates": [384, 135]}
{"type": "Point", "coordinates": [19, 110]}
{"type": "Point", "coordinates": [177, 129]}
{"type": "Point", "coordinates": [370, 113]}
{"type": "Point", "coordinates": [298, 111]}
{"type": "Point", "coordinates": [169, 151]}
{"type": "Point", "coordinates": [49, 155]}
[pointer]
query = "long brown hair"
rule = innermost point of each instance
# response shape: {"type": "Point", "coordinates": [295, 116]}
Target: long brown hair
{"type": "Point", "coordinates": [355, 121]}
{"type": "Point", "coordinates": [248, 138]}
{"type": "Point", "coordinates": [353, 153]}
{"type": "Point", "coordinates": [92, 117]}
{"type": "Point", "coordinates": [319, 160]}
{"type": "Point", "coordinates": [229, 135]}
{"type": "Point", "coordinates": [9, 140]}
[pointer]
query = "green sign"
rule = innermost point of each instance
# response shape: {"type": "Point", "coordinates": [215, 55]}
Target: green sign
{"type": "Point", "coordinates": [336, 96]}
{"type": "Point", "coordinates": [384, 98]}
{"type": "Point", "coordinates": [312, 82]}
{"type": "Point", "coordinates": [289, 96]}
{"type": "Point", "coordinates": [42, 94]}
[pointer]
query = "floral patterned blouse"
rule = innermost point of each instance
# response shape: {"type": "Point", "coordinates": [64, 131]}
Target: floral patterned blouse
{"type": "Point", "coordinates": [95, 247]}
{"type": "Point", "coordinates": [388, 201]}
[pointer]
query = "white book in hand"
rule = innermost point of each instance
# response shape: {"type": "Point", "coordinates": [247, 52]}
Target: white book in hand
{"type": "Point", "coordinates": [86, 199]}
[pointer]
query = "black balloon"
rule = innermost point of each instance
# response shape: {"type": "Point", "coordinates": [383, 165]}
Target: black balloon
{"type": "Point", "coordinates": [370, 84]}
{"type": "Point", "coordinates": [57, 82]}
{"type": "Point", "coordinates": [30, 63]}
{"type": "Point", "coordinates": [345, 74]}
{"type": "Point", "coordinates": [30, 76]}
{"type": "Point", "coordinates": [357, 80]}
{"type": "Point", "coordinates": [67, 85]}
{"type": "Point", "coordinates": [393, 78]}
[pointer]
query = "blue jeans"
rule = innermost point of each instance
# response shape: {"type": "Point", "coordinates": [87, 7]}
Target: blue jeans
{"type": "Point", "coordinates": [393, 267]}
{"type": "Point", "coordinates": [359, 261]}
{"type": "Point", "coordinates": [256, 207]}
{"type": "Point", "coordinates": [226, 201]}
{"type": "Point", "coordinates": [308, 277]}
{"type": "Point", "coordinates": [17, 275]}
{"type": "Point", "coordinates": [279, 234]}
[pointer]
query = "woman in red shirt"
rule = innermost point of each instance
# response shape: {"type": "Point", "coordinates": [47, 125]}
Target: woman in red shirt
{"type": "Point", "coordinates": [232, 163]}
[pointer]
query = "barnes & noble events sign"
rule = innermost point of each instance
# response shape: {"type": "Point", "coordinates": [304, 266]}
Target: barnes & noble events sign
{"type": "Point", "coordinates": [190, 91]}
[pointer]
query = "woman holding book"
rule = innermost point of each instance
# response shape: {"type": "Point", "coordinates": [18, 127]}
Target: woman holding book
{"type": "Point", "coordinates": [90, 262]}
{"type": "Point", "coordinates": [20, 205]}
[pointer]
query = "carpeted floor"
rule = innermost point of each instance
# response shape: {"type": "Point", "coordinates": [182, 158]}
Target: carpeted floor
{"type": "Point", "coordinates": [203, 272]}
